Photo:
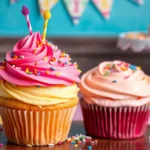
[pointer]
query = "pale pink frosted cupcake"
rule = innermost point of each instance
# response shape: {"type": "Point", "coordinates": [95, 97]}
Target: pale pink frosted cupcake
{"type": "Point", "coordinates": [115, 101]}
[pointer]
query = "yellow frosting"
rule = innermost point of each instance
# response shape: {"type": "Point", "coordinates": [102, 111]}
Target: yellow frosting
{"type": "Point", "coordinates": [38, 95]}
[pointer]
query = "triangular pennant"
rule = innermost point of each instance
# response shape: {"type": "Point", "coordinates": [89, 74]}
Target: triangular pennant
{"type": "Point", "coordinates": [14, 1]}
{"type": "Point", "coordinates": [104, 6]}
{"type": "Point", "coordinates": [76, 9]}
{"type": "Point", "coordinates": [46, 4]}
{"type": "Point", "coordinates": [139, 2]}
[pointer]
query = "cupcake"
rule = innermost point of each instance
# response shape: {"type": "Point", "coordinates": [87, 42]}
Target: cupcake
{"type": "Point", "coordinates": [136, 41]}
{"type": "Point", "coordinates": [115, 101]}
{"type": "Point", "coordinates": [38, 92]}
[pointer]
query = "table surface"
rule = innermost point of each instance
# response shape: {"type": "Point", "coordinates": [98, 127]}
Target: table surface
{"type": "Point", "coordinates": [142, 143]}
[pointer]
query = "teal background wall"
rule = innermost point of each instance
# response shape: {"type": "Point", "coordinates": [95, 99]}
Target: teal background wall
{"type": "Point", "coordinates": [125, 16]}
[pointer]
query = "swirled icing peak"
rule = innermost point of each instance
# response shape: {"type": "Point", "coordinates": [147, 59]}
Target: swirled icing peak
{"type": "Point", "coordinates": [32, 62]}
{"type": "Point", "coordinates": [115, 80]}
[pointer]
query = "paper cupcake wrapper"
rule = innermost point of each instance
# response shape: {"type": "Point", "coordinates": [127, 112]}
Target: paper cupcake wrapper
{"type": "Point", "coordinates": [37, 127]}
{"type": "Point", "coordinates": [115, 123]}
{"type": "Point", "coordinates": [125, 43]}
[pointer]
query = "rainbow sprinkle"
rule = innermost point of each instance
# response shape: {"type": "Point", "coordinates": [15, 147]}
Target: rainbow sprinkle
{"type": "Point", "coordinates": [58, 73]}
{"type": "Point", "coordinates": [79, 139]}
{"type": "Point", "coordinates": [38, 73]}
{"type": "Point", "coordinates": [36, 63]}
{"type": "Point", "coordinates": [45, 58]}
{"type": "Point", "coordinates": [34, 52]}
{"type": "Point", "coordinates": [52, 69]}
{"type": "Point", "coordinates": [106, 73]}
{"type": "Point", "coordinates": [21, 57]}
{"type": "Point", "coordinates": [53, 59]}
{"type": "Point", "coordinates": [47, 72]}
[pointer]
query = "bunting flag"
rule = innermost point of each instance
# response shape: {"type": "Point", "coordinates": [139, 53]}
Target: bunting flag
{"type": "Point", "coordinates": [139, 2]}
{"type": "Point", "coordinates": [13, 1]}
{"type": "Point", "coordinates": [75, 9]}
{"type": "Point", "coordinates": [46, 4]}
{"type": "Point", "coordinates": [104, 6]}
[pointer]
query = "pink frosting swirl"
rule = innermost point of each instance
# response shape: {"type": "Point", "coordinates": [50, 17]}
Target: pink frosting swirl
{"type": "Point", "coordinates": [114, 81]}
{"type": "Point", "coordinates": [33, 63]}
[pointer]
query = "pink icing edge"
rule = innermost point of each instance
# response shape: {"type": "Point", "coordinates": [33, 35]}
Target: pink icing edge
{"type": "Point", "coordinates": [5, 74]}
{"type": "Point", "coordinates": [117, 103]}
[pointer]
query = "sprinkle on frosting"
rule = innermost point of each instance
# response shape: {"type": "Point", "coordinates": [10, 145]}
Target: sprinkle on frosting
{"type": "Point", "coordinates": [28, 56]}
{"type": "Point", "coordinates": [122, 87]}
{"type": "Point", "coordinates": [52, 69]}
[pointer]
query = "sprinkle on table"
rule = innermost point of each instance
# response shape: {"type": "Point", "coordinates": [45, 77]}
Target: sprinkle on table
{"type": "Point", "coordinates": [79, 139]}
{"type": "Point", "coordinates": [126, 77]}
{"type": "Point", "coordinates": [114, 81]}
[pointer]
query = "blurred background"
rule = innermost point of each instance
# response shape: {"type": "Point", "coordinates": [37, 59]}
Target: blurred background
{"type": "Point", "coordinates": [89, 34]}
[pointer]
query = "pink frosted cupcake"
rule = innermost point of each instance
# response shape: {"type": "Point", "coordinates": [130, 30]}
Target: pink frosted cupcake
{"type": "Point", "coordinates": [115, 101]}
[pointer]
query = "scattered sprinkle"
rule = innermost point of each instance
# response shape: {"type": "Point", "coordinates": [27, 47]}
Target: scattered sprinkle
{"type": "Point", "coordinates": [36, 63]}
{"type": "Point", "coordinates": [37, 42]}
{"type": "Point", "coordinates": [126, 77]}
{"type": "Point", "coordinates": [27, 70]}
{"type": "Point", "coordinates": [21, 57]}
{"type": "Point", "coordinates": [35, 71]}
{"type": "Point", "coordinates": [47, 72]}
{"type": "Point", "coordinates": [53, 59]}
{"type": "Point", "coordinates": [89, 147]}
{"type": "Point", "coordinates": [38, 73]}
{"type": "Point", "coordinates": [29, 145]}
{"type": "Point", "coordinates": [114, 81]}
{"type": "Point", "coordinates": [62, 55]}
{"type": "Point", "coordinates": [45, 58]}
{"type": "Point", "coordinates": [79, 70]}
{"type": "Point", "coordinates": [52, 69]}
{"type": "Point", "coordinates": [106, 73]}
{"type": "Point", "coordinates": [58, 73]}
{"type": "Point", "coordinates": [133, 67]}
{"type": "Point", "coordinates": [51, 145]}
{"type": "Point", "coordinates": [76, 145]}
{"type": "Point", "coordinates": [34, 52]}
{"type": "Point", "coordinates": [139, 67]}
{"type": "Point", "coordinates": [2, 67]}
{"type": "Point", "coordinates": [13, 66]}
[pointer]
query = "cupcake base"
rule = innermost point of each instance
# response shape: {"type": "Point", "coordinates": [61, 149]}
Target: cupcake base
{"type": "Point", "coordinates": [115, 122]}
{"type": "Point", "coordinates": [34, 127]}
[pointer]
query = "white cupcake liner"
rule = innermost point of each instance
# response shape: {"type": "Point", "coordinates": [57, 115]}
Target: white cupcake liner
{"type": "Point", "coordinates": [37, 127]}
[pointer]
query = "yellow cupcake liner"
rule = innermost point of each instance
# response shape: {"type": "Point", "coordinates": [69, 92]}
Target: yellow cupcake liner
{"type": "Point", "coordinates": [32, 127]}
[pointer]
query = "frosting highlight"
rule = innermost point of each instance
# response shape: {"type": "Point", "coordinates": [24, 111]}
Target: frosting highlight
{"type": "Point", "coordinates": [115, 83]}
{"type": "Point", "coordinates": [34, 63]}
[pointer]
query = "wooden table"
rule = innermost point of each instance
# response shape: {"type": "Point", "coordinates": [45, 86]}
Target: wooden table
{"type": "Point", "coordinates": [142, 143]}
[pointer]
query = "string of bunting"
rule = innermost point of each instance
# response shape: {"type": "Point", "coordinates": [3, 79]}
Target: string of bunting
{"type": "Point", "coordinates": [76, 8]}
